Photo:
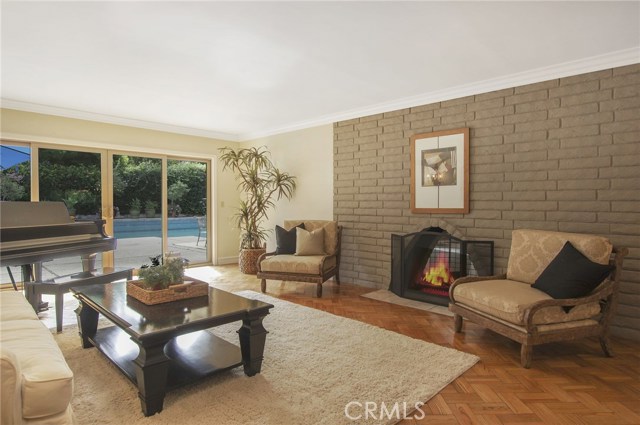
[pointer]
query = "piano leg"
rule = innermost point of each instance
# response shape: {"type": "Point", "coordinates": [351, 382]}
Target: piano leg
{"type": "Point", "coordinates": [33, 273]}
{"type": "Point", "coordinates": [88, 262]}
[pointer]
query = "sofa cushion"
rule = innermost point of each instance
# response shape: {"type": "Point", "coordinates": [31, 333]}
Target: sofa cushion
{"type": "Point", "coordinates": [286, 240]}
{"type": "Point", "coordinates": [14, 306]}
{"type": "Point", "coordinates": [508, 300]}
{"type": "Point", "coordinates": [571, 275]}
{"type": "Point", "coordinates": [330, 231]}
{"type": "Point", "coordinates": [532, 251]}
{"type": "Point", "coordinates": [308, 264]}
{"type": "Point", "coordinates": [47, 381]}
{"type": "Point", "coordinates": [309, 242]}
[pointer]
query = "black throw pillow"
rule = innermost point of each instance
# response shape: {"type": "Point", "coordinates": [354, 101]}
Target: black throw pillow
{"type": "Point", "coordinates": [286, 240]}
{"type": "Point", "coordinates": [571, 275]}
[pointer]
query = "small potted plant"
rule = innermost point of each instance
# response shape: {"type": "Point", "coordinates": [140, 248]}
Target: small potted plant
{"type": "Point", "coordinates": [134, 209]}
{"type": "Point", "coordinates": [164, 282]}
{"type": "Point", "coordinates": [150, 209]}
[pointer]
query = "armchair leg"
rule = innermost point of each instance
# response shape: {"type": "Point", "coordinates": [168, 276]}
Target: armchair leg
{"type": "Point", "coordinates": [319, 290]}
{"type": "Point", "coordinates": [457, 323]}
{"type": "Point", "coordinates": [338, 277]}
{"type": "Point", "coordinates": [526, 354]}
{"type": "Point", "coordinates": [606, 346]}
{"type": "Point", "coordinates": [263, 285]}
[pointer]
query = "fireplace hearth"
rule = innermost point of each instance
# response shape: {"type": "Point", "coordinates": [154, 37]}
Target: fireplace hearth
{"type": "Point", "coordinates": [424, 264]}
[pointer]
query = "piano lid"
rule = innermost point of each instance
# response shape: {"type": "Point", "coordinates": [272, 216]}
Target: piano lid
{"type": "Point", "coordinates": [22, 214]}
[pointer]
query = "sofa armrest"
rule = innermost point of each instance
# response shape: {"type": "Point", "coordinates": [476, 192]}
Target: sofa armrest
{"type": "Point", "coordinates": [264, 257]}
{"type": "Point", "coordinates": [11, 400]}
{"type": "Point", "coordinates": [470, 279]}
{"type": "Point", "coordinates": [602, 292]}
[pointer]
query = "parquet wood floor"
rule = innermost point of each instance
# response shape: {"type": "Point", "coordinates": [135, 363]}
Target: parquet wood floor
{"type": "Point", "coordinates": [568, 383]}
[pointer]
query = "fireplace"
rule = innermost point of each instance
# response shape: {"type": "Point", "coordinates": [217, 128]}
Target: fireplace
{"type": "Point", "coordinates": [424, 264]}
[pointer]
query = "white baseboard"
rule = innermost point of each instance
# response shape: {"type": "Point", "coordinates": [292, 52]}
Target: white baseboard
{"type": "Point", "coordinates": [227, 260]}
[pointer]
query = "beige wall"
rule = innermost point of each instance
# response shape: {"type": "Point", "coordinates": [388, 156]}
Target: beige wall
{"type": "Point", "coordinates": [559, 155]}
{"type": "Point", "coordinates": [27, 126]}
{"type": "Point", "coordinates": [308, 155]}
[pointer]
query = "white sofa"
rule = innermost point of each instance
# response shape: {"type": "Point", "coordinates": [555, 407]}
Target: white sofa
{"type": "Point", "coordinates": [37, 384]}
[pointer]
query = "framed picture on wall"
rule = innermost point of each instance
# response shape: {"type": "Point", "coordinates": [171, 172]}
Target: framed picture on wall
{"type": "Point", "coordinates": [440, 172]}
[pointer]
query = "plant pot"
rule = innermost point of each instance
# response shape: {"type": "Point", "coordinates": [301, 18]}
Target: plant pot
{"type": "Point", "coordinates": [248, 260]}
{"type": "Point", "coordinates": [134, 213]}
{"type": "Point", "coordinates": [150, 213]}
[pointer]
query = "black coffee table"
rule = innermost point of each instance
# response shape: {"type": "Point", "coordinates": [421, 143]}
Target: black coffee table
{"type": "Point", "coordinates": [165, 346]}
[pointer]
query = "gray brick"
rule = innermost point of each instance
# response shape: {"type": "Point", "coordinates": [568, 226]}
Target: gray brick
{"type": "Point", "coordinates": [627, 91]}
{"type": "Point", "coordinates": [607, 73]}
{"type": "Point", "coordinates": [584, 152]}
{"type": "Point", "coordinates": [583, 217]}
{"type": "Point", "coordinates": [584, 120]}
{"type": "Point", "coordinates": [538, 105]}
{"type": "Point", "coordinates": [527, 176]}
{"type": "Point", "coordinates": [620, 104]}
{"type": "Point", "coordinates": [568, 90]}
{"type": "Point", "coordinates": [562, 133]}
{"type": "Point", "coordinates": [537, 125]}
{"type": "Point", "coordinates": [526, 117]}
{"type": "Point", "coordinates": [494, 112]}
{"type": "Point", "coordinates": [529, 195]}
{"type": "Point", "coordinates": [542, 145]}
{"type": "Point", "coordinates": [537, 86]}
{"type": "Point", "coordinates": [494, 94]}
{"type": "Point", "coordinates": [568, 111]}
{"type": "Point", "coordinates": [576, 142]}
{"type": "Point", "coordinates": [577, 99]}
{"type": "Point", "coordinates": [583, 184]}
{"type": "Point", "coordinates": [583, 206]}
{"type": "Point", "coordinates": [526, 97]}
{"type": "Point", "coordinates": [620, 127]}
{"type": "Point", "coordinates": [632, 79]}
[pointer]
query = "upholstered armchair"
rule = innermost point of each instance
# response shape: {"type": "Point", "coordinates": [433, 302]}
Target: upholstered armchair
{"type": "Point", "coordinates": [558, 287]}
{"type": "Point", "coordinates": [308, 251]}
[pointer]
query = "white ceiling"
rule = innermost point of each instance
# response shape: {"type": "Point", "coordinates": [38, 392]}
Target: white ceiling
{"type": "Point", "coordinates": [240, 70]}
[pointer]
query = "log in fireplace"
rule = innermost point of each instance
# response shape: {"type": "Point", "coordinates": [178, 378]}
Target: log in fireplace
{"type": "Point", "coordinates": [424, 264]}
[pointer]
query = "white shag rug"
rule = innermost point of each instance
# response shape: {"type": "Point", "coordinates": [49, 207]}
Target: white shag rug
{"type": "Point", "coordinates": [315, 366]}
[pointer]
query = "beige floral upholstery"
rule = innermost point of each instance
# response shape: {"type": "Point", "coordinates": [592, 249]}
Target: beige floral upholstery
{"type": "Point", "coordinates": [511, 306]}
{"type": "Point", "coordinates": [509, 299]}
{"type": "Point", "coordinates": [305, 268]}
{"type": "Point", "coordinates": [309, 264]}
{"type": "Point", "coordinates": [533, 250]}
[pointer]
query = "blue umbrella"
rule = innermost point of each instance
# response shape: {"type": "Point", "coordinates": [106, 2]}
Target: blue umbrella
{"type": "Point", "coordinates": [13, 155]}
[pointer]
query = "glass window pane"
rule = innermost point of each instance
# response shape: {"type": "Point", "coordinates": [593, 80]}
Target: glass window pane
{"type": "Point", "coordinates": [137, 193]}
{"type": "Point", "coordinates": [187, 197]}
{"type": "Point", "coordinates": [15, 185]}
{"type": "Point", "coordinates": [74, 178]}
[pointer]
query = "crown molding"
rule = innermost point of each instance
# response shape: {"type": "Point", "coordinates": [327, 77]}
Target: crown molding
{"type": "Point", "coordinates": [595, 63]}
{"type": "Point", "coordinates": [110, 119]}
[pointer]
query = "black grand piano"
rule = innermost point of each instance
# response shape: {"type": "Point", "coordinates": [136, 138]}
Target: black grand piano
{"type": "Point", "coordinates": [35, 232]}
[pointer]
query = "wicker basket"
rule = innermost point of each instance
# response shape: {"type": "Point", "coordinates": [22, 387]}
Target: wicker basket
{"type": "Point", "coordinates": [248, 260]}
{"type": "Point", "coordinates": [188, 289]}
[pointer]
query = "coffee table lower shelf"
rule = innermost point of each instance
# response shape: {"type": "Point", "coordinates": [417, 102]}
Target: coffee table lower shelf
{"type": "Point", "coordinates": [193, 356]}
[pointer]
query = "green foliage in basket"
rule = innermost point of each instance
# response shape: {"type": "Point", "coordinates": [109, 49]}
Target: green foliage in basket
{"type": "Point", "coordinates": [160, 277]}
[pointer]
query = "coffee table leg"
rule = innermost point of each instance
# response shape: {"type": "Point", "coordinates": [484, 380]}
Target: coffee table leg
{"type": "Point", "coordinates": [252, 339]}
{"type": "Point", "coordinates": [87, 323]}
{"type": "Point", "coordinates": [151, 366]}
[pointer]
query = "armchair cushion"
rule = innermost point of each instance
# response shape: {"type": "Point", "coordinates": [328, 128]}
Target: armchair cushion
{"type": "Point", "coordinates": [309, 242]}
{"type": "Point", "coordinates": [286, 239]}
{"type": "Point", "coordinates": [532, 250]}
{"type": "Point", "coordinates": [508, 300]}
{"type": "Point", "coordinates": [307, 264]}
{"type": "Point", "coordinates": [571, 274]}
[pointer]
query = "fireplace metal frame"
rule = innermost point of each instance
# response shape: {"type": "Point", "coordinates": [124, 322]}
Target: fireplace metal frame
{"type": "Point", "coordinates": [402, 274]}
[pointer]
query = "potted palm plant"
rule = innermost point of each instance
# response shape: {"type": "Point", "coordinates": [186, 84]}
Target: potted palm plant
{"type": "Point", "coordinates": [261, 184]}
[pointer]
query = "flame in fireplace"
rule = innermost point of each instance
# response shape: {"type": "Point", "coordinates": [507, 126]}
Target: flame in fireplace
{"type": "Point", "coordinates": [438, 274]}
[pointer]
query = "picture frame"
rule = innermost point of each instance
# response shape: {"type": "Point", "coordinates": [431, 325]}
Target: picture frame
{"type": "Point", "coordinates": [440, 172]}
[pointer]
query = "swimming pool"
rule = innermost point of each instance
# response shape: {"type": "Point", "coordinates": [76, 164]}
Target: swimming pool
{"type": "Point", "coordinates": [124, 228]}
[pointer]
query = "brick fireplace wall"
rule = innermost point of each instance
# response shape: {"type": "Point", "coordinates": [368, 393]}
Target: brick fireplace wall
{"type": "Point", "coordinates": [560, 155]}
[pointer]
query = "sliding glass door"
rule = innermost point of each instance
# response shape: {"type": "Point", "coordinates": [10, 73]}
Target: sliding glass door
{"type": "Point", "coordinates": [138, 209]}
{"type": "Point", "coordinates": [153, 204]}
{"type": "Point", "coordinates": [187, 203]}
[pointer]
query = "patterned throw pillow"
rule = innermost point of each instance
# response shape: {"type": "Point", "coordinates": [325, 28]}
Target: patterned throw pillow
{"type": "Point", "coordinates": [309, 243]}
